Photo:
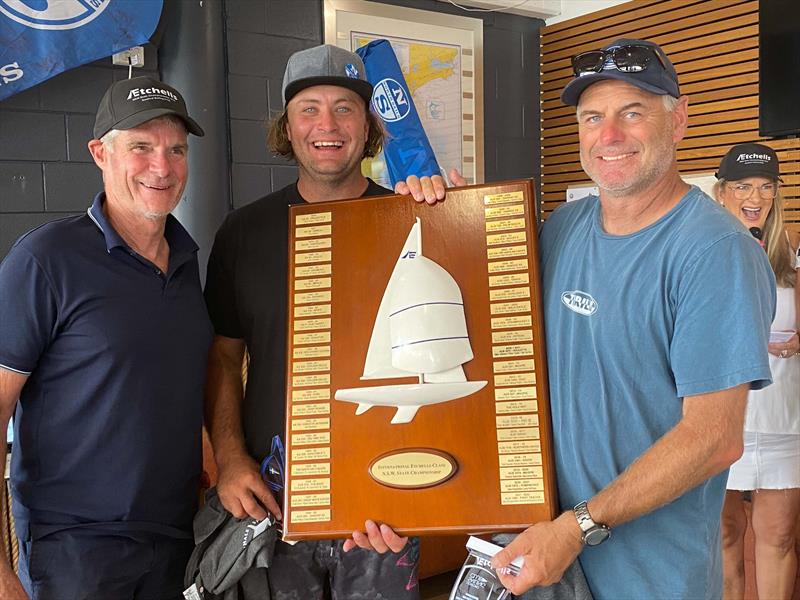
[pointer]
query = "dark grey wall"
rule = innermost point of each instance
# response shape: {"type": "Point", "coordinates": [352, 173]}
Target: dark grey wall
{"type": "Point", "coordinates": [262, 36]}
{"type": "Point", "coordinates": [46, 171]}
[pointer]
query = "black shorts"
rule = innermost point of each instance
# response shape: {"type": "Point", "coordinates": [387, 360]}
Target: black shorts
{"type": "Point", "coordinates": [323, 571]}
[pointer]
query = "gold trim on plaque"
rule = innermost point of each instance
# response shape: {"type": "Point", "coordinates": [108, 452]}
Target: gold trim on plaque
{"type": "Point", "coordinates": [315, 231]}
{"type": "Point", "coordinates": [519, 446]}
{"type": "Point", "coordinates": [505, 337]}
{"type": "Point", "coordinates": [505, 224]}
{"type": "Point", "coordinates": [310, 516]}
{"type": "Point", "coordinates": [503, 212]}
{"type": "Point", "coordinates": [506, 252]}
{"type": "Point", "coordinates": [312, 244]}
{"type": "Point", "coordinates": [515, 379]}
{"type": "Point", "coordinates": [503, 198]}
{"type": "Point", "coordinates": [321, 217]}
{"type": "Point", "coordinates": [513, 279]}
{"type": "Point", "coordinates": [514, 237]}
{"type": "Point", "coordinates": [323, 453]}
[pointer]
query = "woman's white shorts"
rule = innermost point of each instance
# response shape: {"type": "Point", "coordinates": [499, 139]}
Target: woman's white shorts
{"type": "Point", "coordinates": [771, 461]}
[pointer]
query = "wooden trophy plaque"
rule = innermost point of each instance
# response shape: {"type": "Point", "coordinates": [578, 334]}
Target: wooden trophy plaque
{"type": "Point", "coordinates": [416, 378]}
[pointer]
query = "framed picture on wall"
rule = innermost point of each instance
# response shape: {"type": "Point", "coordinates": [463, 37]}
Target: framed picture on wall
{"type": "Point", "coordinates": [441, 57]}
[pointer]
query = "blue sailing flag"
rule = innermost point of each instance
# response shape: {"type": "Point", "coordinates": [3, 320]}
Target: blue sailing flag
{"type": "Point", "coordinates": [42, 38]}
{"type": "Point", "coordinates": [406, 149]}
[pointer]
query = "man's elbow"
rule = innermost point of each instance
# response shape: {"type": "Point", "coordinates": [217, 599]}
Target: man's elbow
{"type": "Point", "coordinates": [734, 450]}
{"type": "Point", "coordinates": [728, 452]}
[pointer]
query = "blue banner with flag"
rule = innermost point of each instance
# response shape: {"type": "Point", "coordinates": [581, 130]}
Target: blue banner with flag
{"type": "Point", "coordinates": [406, 149]}
{"type": "Point", "coordinates": [42, 38]}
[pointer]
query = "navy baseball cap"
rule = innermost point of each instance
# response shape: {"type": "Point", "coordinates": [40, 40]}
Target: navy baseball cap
{"type": "Point", "coordinates": [637, 62]}
{"type": "Point", "coordinates": [749, 160]}
{"type": "Point", "coordinates": [325, 65]}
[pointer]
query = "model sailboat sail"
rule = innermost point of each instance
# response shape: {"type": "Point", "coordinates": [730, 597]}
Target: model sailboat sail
{"type": "Point", "coordinates": [420, 330]}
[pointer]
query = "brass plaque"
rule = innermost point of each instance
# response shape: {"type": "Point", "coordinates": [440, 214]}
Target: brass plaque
{"type": "Point", "coordinates": [413, 468]}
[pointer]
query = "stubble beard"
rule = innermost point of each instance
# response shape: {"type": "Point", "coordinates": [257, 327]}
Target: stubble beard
{"type": "Point", "coordinates": [639, 181]}
{"type": "Point", "coordinates": [160, 215]}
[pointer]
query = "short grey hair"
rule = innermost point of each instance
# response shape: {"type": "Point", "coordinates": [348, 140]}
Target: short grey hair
{"type": "Point", "coordinates": [177, 122]}
{"type": "Point", "coordinates": [108, 139]}
{"type": "Point", "coordinates": [670, 102]}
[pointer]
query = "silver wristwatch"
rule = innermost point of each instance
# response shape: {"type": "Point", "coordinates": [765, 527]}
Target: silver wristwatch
{"type": "Point", "coordinates": [593, 533]}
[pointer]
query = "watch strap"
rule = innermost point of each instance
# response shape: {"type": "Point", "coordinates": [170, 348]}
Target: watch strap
{"type": "Point", "coordinates": [592, 533]}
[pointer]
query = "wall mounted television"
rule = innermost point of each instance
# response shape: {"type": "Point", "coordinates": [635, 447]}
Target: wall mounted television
{"type": "Point", "coordinates": [779, 68]}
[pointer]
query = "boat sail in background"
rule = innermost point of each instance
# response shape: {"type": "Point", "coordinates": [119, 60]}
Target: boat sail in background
{"type": "Point", "coordinates": [420, 330]}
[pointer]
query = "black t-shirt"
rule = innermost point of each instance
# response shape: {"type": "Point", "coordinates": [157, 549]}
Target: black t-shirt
{"type": "Point", "coordinates": [246, 296]}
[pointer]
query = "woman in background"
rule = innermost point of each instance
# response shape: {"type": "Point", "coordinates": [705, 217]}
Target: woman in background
{"type": "Point", "coordinates": [749, 186]}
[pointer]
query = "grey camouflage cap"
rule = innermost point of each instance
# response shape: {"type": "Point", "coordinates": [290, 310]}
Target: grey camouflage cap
{"type": "Point", "coordinates": [325, 65]}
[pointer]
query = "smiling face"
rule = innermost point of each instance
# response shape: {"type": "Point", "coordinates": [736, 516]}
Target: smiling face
{"type": "Point", "coordinates": [327, 126]}
{"type": "Point", "coordinates": [627, 137]}
{"type": "Point", "coordinates": [145, 169]}
{"type": "Point", "coordinates": [752, 211]}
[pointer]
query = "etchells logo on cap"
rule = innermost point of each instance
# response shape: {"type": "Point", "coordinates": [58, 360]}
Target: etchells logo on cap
{"type": "Point", "coordinates": [579, 302]}
{"type": "Point", "coordinates": [749, 159]}
{"type": "Point", "coordinates": [151, 93]}
{"type": "Point", "coordinates": [390, 100]}
{"type": "Point", "coordinates": [53, 14]}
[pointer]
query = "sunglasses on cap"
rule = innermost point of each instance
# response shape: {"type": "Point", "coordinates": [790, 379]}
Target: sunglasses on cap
{"type": "Point", "coordinates": [630, 58]}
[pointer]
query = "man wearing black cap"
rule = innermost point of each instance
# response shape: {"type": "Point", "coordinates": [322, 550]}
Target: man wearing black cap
{"type": "Point", "coordinates": [104, 338]}
{"type": "Point", "coordinates": [649, 367]}
{"type": "Point", "coordinates": [327, 129]}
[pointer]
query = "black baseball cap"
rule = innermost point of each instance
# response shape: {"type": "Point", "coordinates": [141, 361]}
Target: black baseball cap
{"type": "Point", "coordinates": [325, 65]}
{"type": "Point", "coordinates": [658, 76]}
{"type": "Point", "coordinates": [131, 102]}
{"type": "Point", "coordinates": [749, 160]}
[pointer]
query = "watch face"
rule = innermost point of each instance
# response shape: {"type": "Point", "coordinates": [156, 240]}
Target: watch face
{"type": "Point", "coordinates": [596, 536]}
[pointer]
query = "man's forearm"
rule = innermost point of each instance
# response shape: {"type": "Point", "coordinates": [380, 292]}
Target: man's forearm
{"type": "Point", "coordinates": [697, 448]}
{"type": "Point", "coordinates": [223, 406]}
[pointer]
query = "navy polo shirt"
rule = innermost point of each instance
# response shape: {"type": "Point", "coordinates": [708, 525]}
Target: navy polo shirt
{"type": "Point", "coordinates": [107, 431]}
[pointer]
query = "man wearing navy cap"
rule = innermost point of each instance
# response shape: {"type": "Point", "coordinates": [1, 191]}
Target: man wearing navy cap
{"type": "Point", "coordinates": [327, 129]}
{"type": "Point", "coordinates": [104, 337]}
{"type": "Point", "coordinates": [658, 307]}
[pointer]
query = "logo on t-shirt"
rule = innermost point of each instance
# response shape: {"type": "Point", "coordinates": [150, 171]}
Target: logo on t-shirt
{"type": "Point", "coordinates": [579, 302]}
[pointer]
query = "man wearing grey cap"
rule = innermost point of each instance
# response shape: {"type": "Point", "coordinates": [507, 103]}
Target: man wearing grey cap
{"type": "Point", "coordinates": [327, 129]}
{"type": "Point", "coordinates": [649, 367]}
{"type": "Point", "coordinates": [104, 338]}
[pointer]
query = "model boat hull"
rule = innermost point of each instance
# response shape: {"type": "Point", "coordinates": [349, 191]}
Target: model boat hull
{"type": "Point", "coordinates": [407, 398]}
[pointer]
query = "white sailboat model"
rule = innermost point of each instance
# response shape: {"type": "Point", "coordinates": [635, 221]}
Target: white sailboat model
{"type": "Point", "coordinates": [420, 330]}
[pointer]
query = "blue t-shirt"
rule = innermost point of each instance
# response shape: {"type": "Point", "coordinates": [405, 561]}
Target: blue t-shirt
{"type": "Point", "coordinates": [107, 431]}
{"type": "Point", "coordinates": [634, 323]}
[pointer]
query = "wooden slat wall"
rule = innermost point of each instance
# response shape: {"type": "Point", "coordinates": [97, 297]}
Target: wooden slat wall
{"type": "Point", "coordinates": [714, 46]}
